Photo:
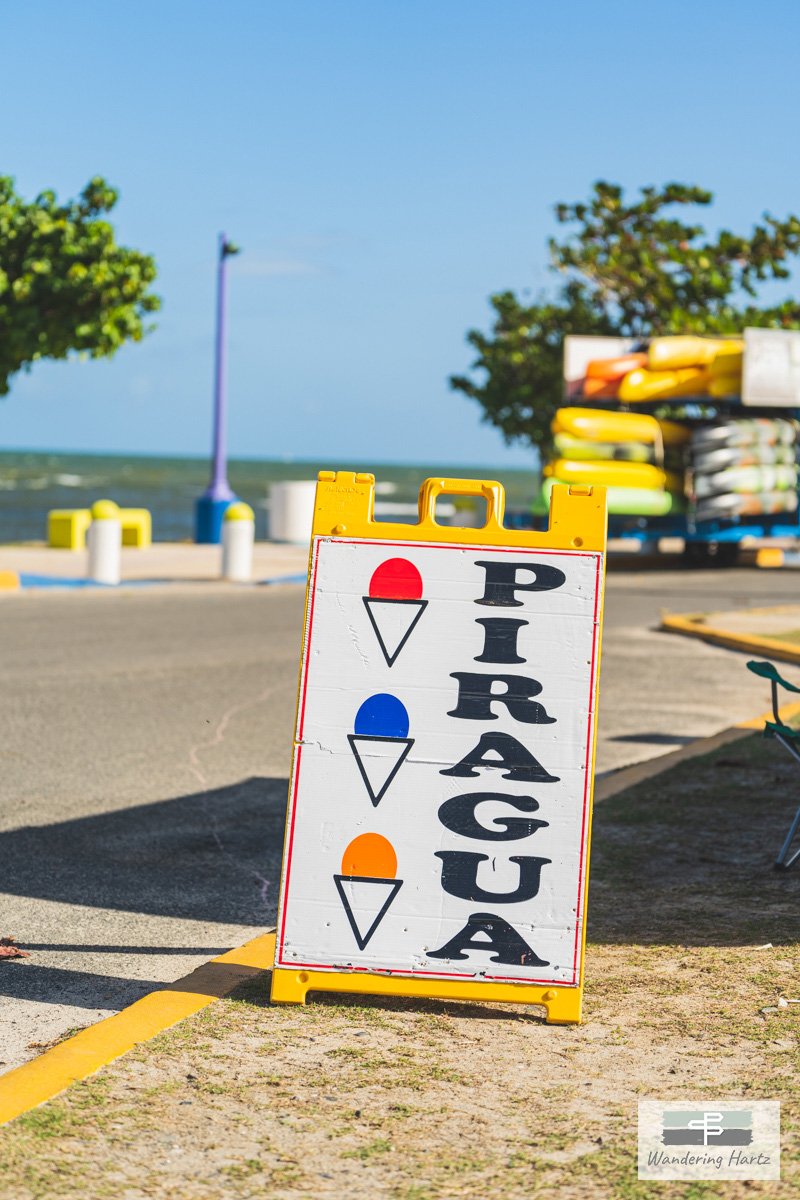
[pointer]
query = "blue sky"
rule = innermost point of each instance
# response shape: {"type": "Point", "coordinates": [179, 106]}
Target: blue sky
{"type": "Point", "coordinates": [386, 166]}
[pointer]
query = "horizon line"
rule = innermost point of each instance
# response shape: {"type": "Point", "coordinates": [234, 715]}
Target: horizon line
{"type": "Point", "coordinates": [288, 460]}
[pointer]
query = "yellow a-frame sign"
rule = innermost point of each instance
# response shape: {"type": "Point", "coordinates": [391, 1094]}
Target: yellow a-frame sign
{"type": "Point", "coordinates": [439, 817]}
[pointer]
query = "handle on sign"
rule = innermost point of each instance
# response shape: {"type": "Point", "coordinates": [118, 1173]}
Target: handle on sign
{"type": "Point", "coordinates": [492, 492]}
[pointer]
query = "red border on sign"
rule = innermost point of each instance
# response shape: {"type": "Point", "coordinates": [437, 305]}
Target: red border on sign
{"type": "Point", "coordinates": [589, 746]}
{"type": "Point", "coordinates": [279, 960]}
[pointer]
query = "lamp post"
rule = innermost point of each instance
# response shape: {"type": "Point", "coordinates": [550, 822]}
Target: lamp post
{"type": "Point", "coordinates": [210, 507]}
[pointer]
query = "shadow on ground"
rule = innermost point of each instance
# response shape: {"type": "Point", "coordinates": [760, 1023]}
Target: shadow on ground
{"type": "Point", "coordinates": [208, 856]}
{"type": "Point", "coordinates": [687, 857]}
{"type": "Point", "coordinates": [684, 858]}
{"type": "Point", "coordinates": [23, 980]}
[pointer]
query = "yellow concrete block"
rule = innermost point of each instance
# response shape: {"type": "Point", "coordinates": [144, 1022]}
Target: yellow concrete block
{"type": "Point", "coordinates": [137, 527]}
{"type": "Point", "coordinates": [9, 581]}
{"type": "Point", "coordinates": [769, 556]}
{"type": "Point", "coordinates": [66, 528]}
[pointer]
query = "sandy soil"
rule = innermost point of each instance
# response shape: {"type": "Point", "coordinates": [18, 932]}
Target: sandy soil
{"type": "Point", "coordinates": [355, 1097]}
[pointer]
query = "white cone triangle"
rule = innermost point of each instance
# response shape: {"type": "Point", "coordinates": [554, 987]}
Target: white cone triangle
{"type": "Point", "coordinates": [393, 622]}
{"type": "Point", "coordinates": [366, 902]}
{"type": "Point", "coordinates": [379, 759]}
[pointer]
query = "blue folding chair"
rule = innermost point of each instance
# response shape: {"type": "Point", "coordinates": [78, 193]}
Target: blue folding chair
{"type": "Point", "coordinates": [789, 739]}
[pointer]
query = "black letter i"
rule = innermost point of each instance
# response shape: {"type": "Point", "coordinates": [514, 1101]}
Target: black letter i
{"type": "Point", "coordinates": [500, 644]}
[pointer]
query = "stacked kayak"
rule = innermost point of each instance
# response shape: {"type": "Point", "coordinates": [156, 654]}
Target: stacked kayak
{"type": "Point", "coordinates": [638, 458]}
{"type": "Point", "coordinates": [744, 468]}
{"type": "Point", "coordinates": [669, 369]}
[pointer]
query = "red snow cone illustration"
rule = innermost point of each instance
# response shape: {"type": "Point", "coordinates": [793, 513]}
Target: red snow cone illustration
{"type": "Point", "coordinates": [394, 604]}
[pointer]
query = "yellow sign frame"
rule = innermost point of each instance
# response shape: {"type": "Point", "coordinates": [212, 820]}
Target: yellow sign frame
{"type": "Point", "coordinates": [345, 507]}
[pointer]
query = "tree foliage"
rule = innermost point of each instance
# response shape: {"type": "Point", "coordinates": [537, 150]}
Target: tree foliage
{"type": "Point", "coordinates": [65, 284]}
{"type": "Point", "coordinates": [629, 269]}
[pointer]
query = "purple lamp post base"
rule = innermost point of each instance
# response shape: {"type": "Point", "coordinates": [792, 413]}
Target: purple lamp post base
{"type": "Point", "coordinates": [209, 510]}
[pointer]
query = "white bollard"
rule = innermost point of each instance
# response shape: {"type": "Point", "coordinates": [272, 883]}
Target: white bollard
{"type": "Point", "coordinates": [238, 536]}
{"type": "Point", "coordinates": [291, 511]}
{"type": "Point", "coordinates": [104, 539]}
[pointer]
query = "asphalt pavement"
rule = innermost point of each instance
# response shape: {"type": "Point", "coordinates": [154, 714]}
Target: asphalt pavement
{"type": "Point", "coordinates": [144, 759]}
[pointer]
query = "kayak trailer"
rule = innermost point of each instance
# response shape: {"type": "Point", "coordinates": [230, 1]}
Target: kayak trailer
{"type": "Point", "coordinates": [696, 439]}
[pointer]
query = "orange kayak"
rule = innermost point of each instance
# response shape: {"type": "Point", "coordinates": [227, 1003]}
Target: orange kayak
{"type": "Point", "coordinates": [610, 369]}
{"type": "Point", "coordinates": [600, 389]}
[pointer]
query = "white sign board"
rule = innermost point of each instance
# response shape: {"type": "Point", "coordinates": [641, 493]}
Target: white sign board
{"type": "Point", "coordinates": [440, 792]}
{"type": "Point", "coordinates": [771, 375]}
{"type": "Point", "coordinates": [580, 350]}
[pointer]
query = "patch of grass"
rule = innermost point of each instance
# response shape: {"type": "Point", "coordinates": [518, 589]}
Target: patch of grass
{"type": "Point", "coordinates": [51, 1121]}
{"type": "Point", "coordinates": [56, 1041]}
{"type": "Point", "coordinates": [364, 1153]}
{"type": "Point", "coordinates": [253, 992]}
{"type": "Point", "coordinates": [209, 1088]}
{"type": "Point", "coordinates": [161, 1090]}
{"type": "Point", "coordinates": [461, 1164]}
{"type": "Point", "coordinates": [244, 1170]}
{"type": "Point", "coordinates": [704, 861]}
{"type": "Point", "coordinates": [285, 1176]}
{"type": "Point", "coordinates": [790, 635]}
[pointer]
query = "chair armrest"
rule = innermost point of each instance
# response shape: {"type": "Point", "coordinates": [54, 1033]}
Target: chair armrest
{"type": "Point", "coordinates": [768, 671]}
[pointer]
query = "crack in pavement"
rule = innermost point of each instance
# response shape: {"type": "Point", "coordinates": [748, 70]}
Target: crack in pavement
{"type": "Point", "coordinates": [196, 768]}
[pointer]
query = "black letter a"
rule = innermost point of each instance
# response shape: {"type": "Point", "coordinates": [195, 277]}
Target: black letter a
{"type": "Point", "coordinates": [504, 942]}
{"type": "Point", "coordinates": [515, 761]}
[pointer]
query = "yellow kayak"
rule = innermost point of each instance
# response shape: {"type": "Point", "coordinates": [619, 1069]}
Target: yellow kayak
{"type": "Point", "coordinates": [725, 387]}
{"type": "Point", "coordinates": [598, 426]}
{"type": "Point", "coordinates": [641, 502]}
{"type": "Point", "coordinates": [594, 424]}
{"type": "Point", "coordinates": [672, 353]}
{"type": "Point", "coordinates": [585, 449]}
{"type": "Point", "coordinates": [673, 434]}
{"type": "Point", "coordinates": [729, 359]}
{"type": "Point", "coordinates": [613, 474]}
{"type": "Point", "coordinates": [641, 386]}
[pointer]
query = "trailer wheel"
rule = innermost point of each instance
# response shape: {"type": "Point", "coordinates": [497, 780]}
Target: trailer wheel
{"type": "Point", "coordinates": [727, 554]}
{"type": "Point", "coordinates": [711, 554]}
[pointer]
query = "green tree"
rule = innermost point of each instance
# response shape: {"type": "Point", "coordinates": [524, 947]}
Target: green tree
{"type": "Point", "coordinates": [631, 269]}
{"type": "Point", "coordinates": [65, 284]}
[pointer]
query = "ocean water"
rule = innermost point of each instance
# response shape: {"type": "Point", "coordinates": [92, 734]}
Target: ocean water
{"type": "Point", "coordinates": [32, 483]}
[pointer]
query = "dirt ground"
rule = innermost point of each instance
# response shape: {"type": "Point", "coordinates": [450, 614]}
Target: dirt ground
{"type": "Point", "coordinates": [692, 934]}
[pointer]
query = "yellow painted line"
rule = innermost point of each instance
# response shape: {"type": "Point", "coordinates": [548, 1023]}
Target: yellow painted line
{"type": "Point", "coordinates": [627, 777]}
{"type": "Point", "coordinates": [772, 610]}
{"type": "Point", "coordinates": [80, 1056]}
{"type": "Point", "coordinates": [786, 712]}
{"type": "Point", "coordinates": [9, 581]}
{"type": "Point", "coordinates": [692, 625]}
